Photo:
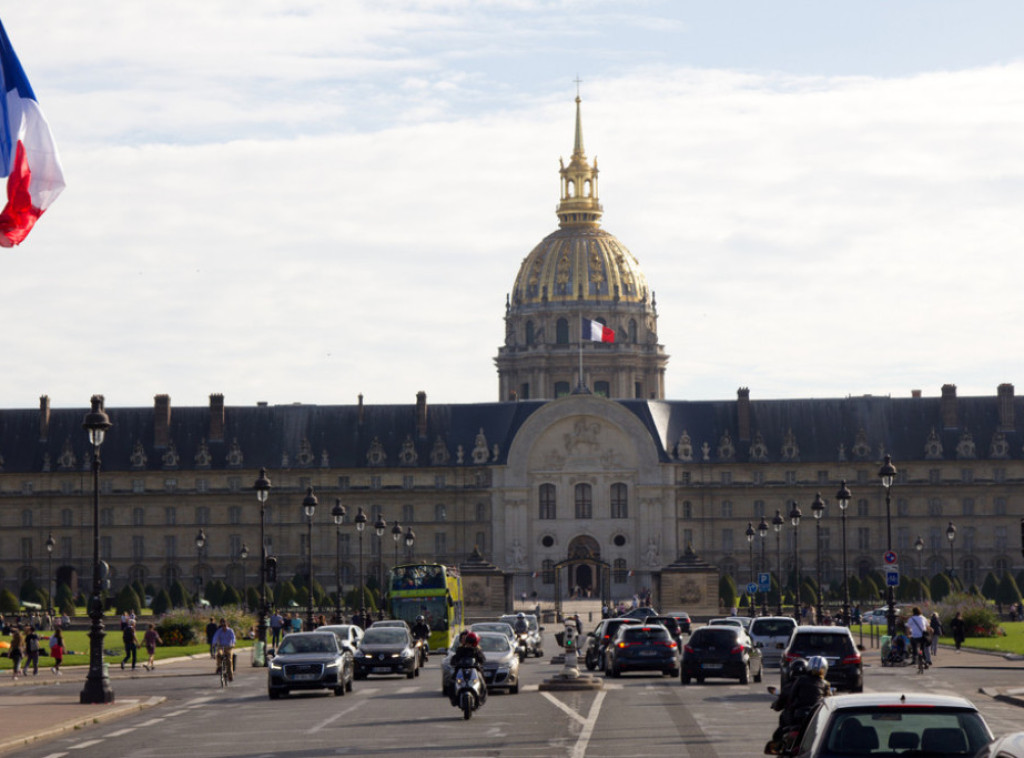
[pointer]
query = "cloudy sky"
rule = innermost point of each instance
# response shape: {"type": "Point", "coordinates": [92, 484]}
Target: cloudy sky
{"type": "Point", "coordinates": [300, 201]}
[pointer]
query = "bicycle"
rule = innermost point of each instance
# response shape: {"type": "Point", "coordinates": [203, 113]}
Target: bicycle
{"type": "Point", "coordinates": [223, 665]}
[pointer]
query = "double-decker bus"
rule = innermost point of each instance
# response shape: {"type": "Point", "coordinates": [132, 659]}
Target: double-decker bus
{"type": "Point", "coordinates": [431, 590]}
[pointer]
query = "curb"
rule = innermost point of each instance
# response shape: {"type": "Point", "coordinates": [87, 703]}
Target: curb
{"type": "Point", "coordinates": [111, 712]}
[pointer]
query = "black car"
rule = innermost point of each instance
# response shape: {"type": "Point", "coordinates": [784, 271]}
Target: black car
{"type": "Point", "coordinates": [833, 643]}
{"type": "Point", "coordinates": [720, 651]}
{"type": "Point", "coordinates": [599, 638]}
{"type": "Point", "coordinates": [310, 661]}
{"type": "Point", "coordinates": [670, 623]}
{"type": "Point", "coordinates": [642, 647]}
{"type": "Point", "coordinates": [386, 650]}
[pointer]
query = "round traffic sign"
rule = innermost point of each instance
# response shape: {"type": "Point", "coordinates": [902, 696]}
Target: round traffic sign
{"type": "Point", "coordinates": [889, 557]}
{"type": "Point", "coordinates": [751, 588]}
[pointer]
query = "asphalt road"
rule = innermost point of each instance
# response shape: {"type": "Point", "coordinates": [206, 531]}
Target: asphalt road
{"type": "Point", "coordinates": [636, 715]}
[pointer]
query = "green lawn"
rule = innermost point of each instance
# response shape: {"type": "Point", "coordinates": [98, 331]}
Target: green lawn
{"type": "Point", "coordinates": [1013, 642]}
{"type": "Point", "coordinates": [76, 647]}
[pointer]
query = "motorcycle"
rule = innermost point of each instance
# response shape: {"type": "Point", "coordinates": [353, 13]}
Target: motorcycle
{"type": "Point", "coordinates": [422, 651]}
{"type": "Point", "coordinates": [468, 687]}
{"type": "Point", "coordinates": [522, 645]}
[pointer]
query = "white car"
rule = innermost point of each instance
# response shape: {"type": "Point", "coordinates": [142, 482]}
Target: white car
{"type": "Point", "coordinates": [771, 634]}
{"type": "Point", "coordinates": [878, 617]}
{"type": "Point", "coordinates": [349, 635]}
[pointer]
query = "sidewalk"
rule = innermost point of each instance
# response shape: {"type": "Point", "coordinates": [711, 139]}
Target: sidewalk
{"type": "Point", "coordinates": [43, 706]}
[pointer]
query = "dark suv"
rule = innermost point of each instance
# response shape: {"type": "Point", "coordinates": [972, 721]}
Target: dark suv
{"type": "Point", "coordinates": [599, 639]}
{"type": "Point", "coordinates": [833, 643]}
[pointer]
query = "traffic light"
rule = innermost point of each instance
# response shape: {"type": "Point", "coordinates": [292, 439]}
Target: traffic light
{"type": "Point", "coordinates": [271, 569]}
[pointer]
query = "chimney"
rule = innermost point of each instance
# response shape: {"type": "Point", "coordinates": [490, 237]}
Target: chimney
{"type": "Point", "coordinates": [421, 413]}
{"type": "Point", "coordinates": [216, 418]}
{"type": "Point", "coordinates": [949, 416]}
{"type": "Point", "coordinates": [161, 420]}
{"type": "Point", "coordinates": [44, 418]}
{"type": "Point", "coordinates": [743, 413]}
{"type": "Point", "coordinates": [1005, 407]}
{"type": "Point", "coordinates": [360, 409]}
{"type": "Point", "coordinates": [915, 394]}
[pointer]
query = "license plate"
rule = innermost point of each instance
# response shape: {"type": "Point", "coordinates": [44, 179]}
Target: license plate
{"type": "Point", "coordinates": [711, 666]}
{"type": "Point", "coordinates": [648, 653]}
{"type": "Point", "coordinates": [381, 669]}
{"type": "Point", "coordinates": [304, 677]}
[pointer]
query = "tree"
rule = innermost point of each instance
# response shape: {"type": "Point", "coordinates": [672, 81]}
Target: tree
{"type": "Point", "coordinates": [1008, 592]}
{"type": "Point", "coordinates": [64, 600]}
{"type": "Point", "coordinates": [727, 593]}
{"type": "Point", "coordinates": [941, 587]}
{"type": "Point", "coordinates": [230, 596]}
{"type": "Point", "coordinates": [868, 591]}
{"type": "Point", "coordinates": [285, 594]}
{"type": "Point", "coordinates": [179, 595]}
{"type": "Point", "coordinates": [990, 587]}
{"type": "Point", "coordinates": [161, 602]}
{"type": "Point", "coordinates": [9, 602]}
{"type": "Point", "coordinates": [127, 600]}
{"type": "Point", "coordinates": [28, 591]}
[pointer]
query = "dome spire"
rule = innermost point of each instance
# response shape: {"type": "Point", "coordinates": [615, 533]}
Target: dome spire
{"type": "Point", "coordinates": [579, 204]}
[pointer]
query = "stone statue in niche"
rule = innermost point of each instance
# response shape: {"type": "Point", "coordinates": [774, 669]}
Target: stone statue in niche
{"type": "Point", "coordinates": [517, 555]}
{"type": "Point", "coordinates": [651, 553]}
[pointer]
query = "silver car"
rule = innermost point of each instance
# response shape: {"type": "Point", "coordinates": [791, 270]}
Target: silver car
{"type": "Point", "coordinates": [771, 634]}
{"type": "Point", "coordinates": [501, 665]}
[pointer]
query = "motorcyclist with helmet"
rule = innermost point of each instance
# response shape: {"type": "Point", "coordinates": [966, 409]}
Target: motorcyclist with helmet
{"type": "Point", "coordinates": [421, 634]}
{"type": "Point", "coordinates": [799, 697]}
{"type": "Point", "coordinates": [522, 626]}
{"type": "Point", "coordinates": [469, 655]}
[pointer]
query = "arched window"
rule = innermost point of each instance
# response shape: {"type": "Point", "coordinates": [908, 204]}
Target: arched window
{"type": "Point", "coordinates": [562, 332]}
{"type": "Point", "coordinates": [603, 389]}
{"type": "Point", "coordinates": [530, 336]}
{"type": "Point", "coordinates": [620, 500]}
{"type": "Point", "coordinates": [561, 389]}
{"type": "Point", "coordinates": [547, 502]}
{"type": "Point", "coordinates": [584, 501]}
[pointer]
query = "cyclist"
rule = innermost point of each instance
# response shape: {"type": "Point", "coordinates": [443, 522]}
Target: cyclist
{"type": "Point", "coordinates": [224, 643]}
{"type": "Point", "coordinates": [917, 625]}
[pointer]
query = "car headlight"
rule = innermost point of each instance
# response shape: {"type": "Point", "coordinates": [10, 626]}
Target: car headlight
{"type": "Point", "coordinates": [406, 653]}
{"type": "Point", "coordinates": [360, 654]}
{"type": "Point", "coordinates": [334, 665]}
{"type": "Point", "coordinates": [503, 669]}
{"type": "Point", "coordinates": [274, 665]}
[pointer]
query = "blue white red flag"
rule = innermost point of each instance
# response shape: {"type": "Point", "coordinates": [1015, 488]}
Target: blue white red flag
{"type": "Point", "coordinates": [28, 156]}
{"type": "Point", "coordinates": [595, 331]}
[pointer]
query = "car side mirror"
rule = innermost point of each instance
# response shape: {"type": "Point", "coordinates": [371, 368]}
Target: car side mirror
{"type": "Point", "coordinates": [540, 628]}
{"type": "Point", "coordinates": [861, 648]}
{"type": "Point", "coordinates": [780, 646]}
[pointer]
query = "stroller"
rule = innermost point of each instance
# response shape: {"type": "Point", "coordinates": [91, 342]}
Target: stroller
{"type": "Point", "coordinates": [895, 650]}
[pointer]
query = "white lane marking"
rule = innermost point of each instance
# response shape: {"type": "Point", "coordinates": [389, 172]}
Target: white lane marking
{"type": "Point", "coordinates": [151, 722]}
{"type": "Point", "coordinates": [87, 743]}
{"type": "Point", "coordinates": [175, 713]}
{"type": "Point", "coordinates": [580, 749]}
{"type": "Point", "coordinates": [122, 732]}
{"type": "Point", "coordinates": [198, 701]}
{"type": "Point", "coordinates": [55, 755]}
{"type": "Point", "coordinates": [564, 708]}
{"type": "Point", "coordinates": [335, 717]}
{"type": "Point", "coordinates": [407, 690]}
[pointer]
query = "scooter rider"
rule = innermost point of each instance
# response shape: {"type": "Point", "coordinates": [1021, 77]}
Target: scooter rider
{"type": "Point", "coordinates": [783, 701]}
{"type": "Point", "coordinates": [809, 690]}
{"type": "Point", "coordinates": [522, 625]}
{"type": "Point", "coordinates": [421, 631]}
{"type": "Point", "coordinates": [469, 655]}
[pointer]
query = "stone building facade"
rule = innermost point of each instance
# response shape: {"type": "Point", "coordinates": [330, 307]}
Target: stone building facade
{"type": "Point", "coordinates": [597, 474]}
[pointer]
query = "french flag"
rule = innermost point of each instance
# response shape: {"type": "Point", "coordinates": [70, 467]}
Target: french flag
{"type": "Point", "coordinates": [595, 331]}
{"type": "Point", "coordinates": [28, 156]}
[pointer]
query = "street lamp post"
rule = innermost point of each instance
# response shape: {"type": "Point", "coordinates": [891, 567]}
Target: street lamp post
{"type": "Point", "coordinates": [200, 541]}
{"type": "Point", "coordinates": [97, 683]}
{"type": "Point", "coordinates": [49, 574]}
{"type": "Point", "coordinates": [818, 510]}
{"type": "Point", "coordinates": [762, 531]}
{"type": "Point", "coordinates": [360, 520]}
{"type": "Point", "coordinates": [410, 540]}
{"type": "Point", "coordinates": [338, 514]}
{"type": "Point", "coordinates": [243, 554]}
{"type": "Point", "coordinates": [396, 535]}
{"type": "Point", "coordinates": [262, 487]}
{"type": "Point", "coordinates": [751, 599]}
{"type": "Point", "coordinates": [794, 518]}
{"type": "Point", "coordinates": [378, 527]}
{"type": "Point", "coordinates": [777, 522]}
{"type": "Point", "coordinates": [309, 503]}
{"type": "Point", "coordinates": [951, 536]}
{"type": "Point", "coordinates": [888, 475]}
{"type": "Point", "coordinates": [919, 547]}
{"type": "Point", "coordinates": [843, 497]}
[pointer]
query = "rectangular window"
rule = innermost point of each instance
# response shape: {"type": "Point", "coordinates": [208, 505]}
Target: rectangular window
{"type": "Point", "coordinates": [687, 537]}
{"type": "Point", "coordinates": [106, 517]}
{"type": "Point", "coordinates": [684, 477]}
{"type": "Point", "coordinates": [481, 542]}
{"type": "Point", "coordinates": [823, 477]}
{"type": "Point", "coordinates": [234, 484]}
{"type": "Point", "coordinates": [902, 507]}
{"type": "Point", "coordinates": [106, 548]}
{"type": "Point", "coordinates": [440, 544]}
{"type": "Point", "coordinates": [26, 549]}
{"type": "Point", "coordinates": [202, 485]}
{"type": "Point", "coordinates": [170, 516]}
{"type": "Point", "coordinates": [862, 508]}
{"type": "Point", "coordinates": [138, 517]}
{"type": "Point", "coordinates": [26, 488]}
{"type": "Point", "coordinates": [138, 486]}
{"type": "Point", "coordinates": [138, 548]}
{"type": "Point", "coordinates": [999, 475]}
{"type": "Point", "coordinates": [727, 544]}
{"type": "Point", "coordinates": [727, 509]}
{"type": "Point", "coordinates": [67, 545]}
{"type": "Point", "coordinates": [170, 485]}
{"type": "Point", "coordinates": [826, 539]}
{"type": "Point", "coordinates": [967, 475]}
{"type": "Point", "coordinates": [968, 506]}
{"type": "Point", "coordinates": [1001, 541]}
{"type": "Point", "coordinates": [758, 509]}
{"type": "Point", "coordinates": [790, 477]}
{"type": "Point", "coordinates": [235, 546]}
{"type": "Point", "coordinates": [687, 510]}
{"type": "Point", "coordinates": [202, 516]}
{"type": "Point", "coordinates": [67, 517]}
{"type": "Point", "coordinates": [903, 540]}
{"type": "Point", "coordinates": [408, 514]}
{"type": "Point", "coordinates": [934, 507]}
{"type": "Point", "coordinates": [863, 538]}
{"type": "Point", "coordinates": [546, 502]}
{"type": "Point", "coordinates": [375, 482]}
{"type": "Point", "coordinates": [439, 481]}
{"type": "Point", "coordinates": [343, 483]}
{"type": "Point", "coordinates": [584, 501]}
{"type": "Point", "coordinates": [234, 515]}
{"type": "Point", "coordinates": [934, 476]}
{"type": "Point", "coordinates": [67, 488]}
{"type": "Point", "coordinates": [170, 547]}
{"type": "Point", "coordinates": [862, 477]}
{"type": "Point", "coordinates": [407, 481]}
{"type": "Point", "coordinates": [620, 501]}
{"type": "Point", "coordinates": [344, 546]}
{"type": "Point", "coordinates": [726, 477]}
{"type": "Point", "coordinates": [757, 477]}
{"type": "Point", "coordinates": [440, 512]}
{"type": "Point", "coordinates": [999, 506]}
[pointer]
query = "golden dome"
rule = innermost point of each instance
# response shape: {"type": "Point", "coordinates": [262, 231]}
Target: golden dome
{"type": "Point", "coordinates": [583, 263]}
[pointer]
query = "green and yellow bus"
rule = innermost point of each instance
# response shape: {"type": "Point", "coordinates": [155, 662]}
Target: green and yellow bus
{"type": "Point", "coordinates": [431, 590]}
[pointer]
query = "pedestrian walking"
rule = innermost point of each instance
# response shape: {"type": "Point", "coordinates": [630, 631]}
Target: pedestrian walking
{"type": "Point", "coordinates": [16, 649]}
{"type": "Point", "coordinates": [211, 629]}
{"type": "Point", "coordinates": [31, 652]}
{"type": "Point", "coordinates": [131, 645]}
{"type": "Point", "coordinates": [276, 624]}
{"type": "Point", "coordinates": [936, 631]}
{"type": "Point", "coordinates": [958, 628]}
{"type": "Point", "coordinates": [57, 650]}
{"type": "Point", "coordinates": [151, 639]}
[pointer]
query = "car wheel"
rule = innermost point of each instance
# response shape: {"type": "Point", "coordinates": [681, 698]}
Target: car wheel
{"type": "Point", "coordinates": [539, 653]}
{"type": "Point", "coordinates": [417, 671]}
{"type": "Point", "coordinates": [700, 680]}
{"type": "Point", "coordinates": [673, 672]}
{"type": "Point", "coordinates": [757, 676]}
{"type": "Point", "coordinates": [339, 691]}
{"type": "Point", "coordinates": [514, 689]}
{"type": "Point", "coordinates": [274, 694]}
{"type": "Point", "coordinates": [616, 671]}
{"type": "Point", "coordinates": [684, 679]}
{"type": "Point", "coordinates": [591, 663]}
{"type": "Point", "coordinates": [348, 686]}
{"type": "Point", "coordinates": [357, 675]}
{"type": "Point", "coordinates": [858, 687]}
{"type": "Point", "coordinates": [410, 674]}
{"type": "Point", "coordinates": [745, 675]}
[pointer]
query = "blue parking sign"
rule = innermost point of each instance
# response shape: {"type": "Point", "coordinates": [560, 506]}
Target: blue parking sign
{"type": "Point", "coordinates": [764, 582]}
{"type": "Point", "coordinates": [892, 578]}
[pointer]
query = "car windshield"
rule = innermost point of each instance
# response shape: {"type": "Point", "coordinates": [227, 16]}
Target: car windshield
{"type": "Point", "coordinates": [645, 635]}
{"type": "Point", "coordinates": [383, 635]}
{"type": "Point", "coordinates": [319, 643]}
{"type": "Point", "coordinates": [707, 637]}
{"type": "Point", "coordinates": [821, 643]}
{"type": "Point", "coordinates": [499, 628]}
{"type": "Point", "coordinates": [889, 731]}
{"type": "Point", "coordinates": [772, 627]}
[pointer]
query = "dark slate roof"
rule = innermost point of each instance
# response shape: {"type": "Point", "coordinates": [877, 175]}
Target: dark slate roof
{"type": "Point", "coordinates": [268, 434]}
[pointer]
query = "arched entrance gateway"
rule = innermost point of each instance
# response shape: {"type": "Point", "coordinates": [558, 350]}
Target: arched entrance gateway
{"type": "Point", "coordinates": [583, 573]}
